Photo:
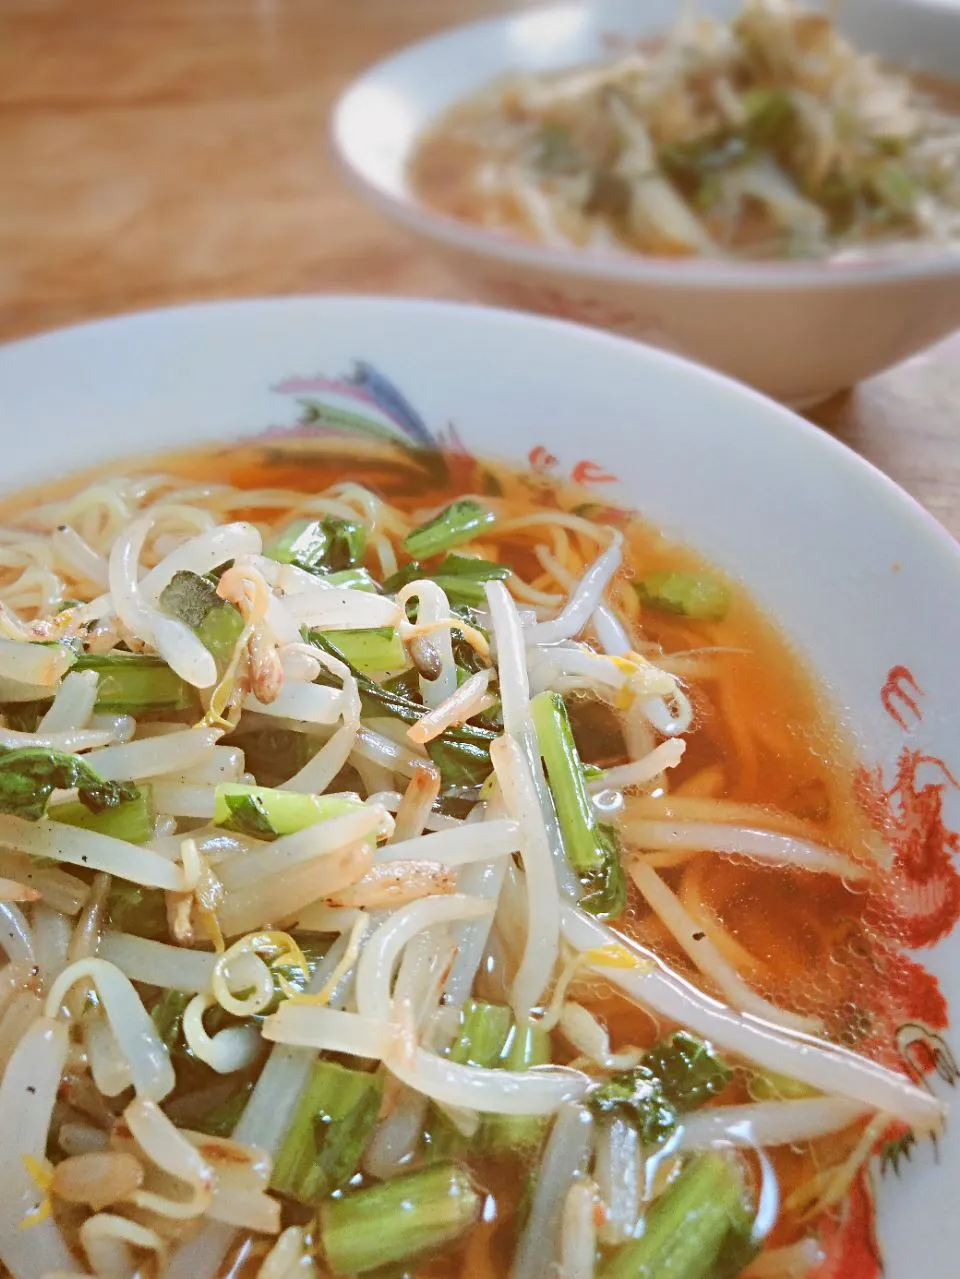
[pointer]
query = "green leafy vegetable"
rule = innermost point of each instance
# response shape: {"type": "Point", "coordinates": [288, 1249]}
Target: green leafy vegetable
{"type": "Point", "coordinates": [405, 685]}
{"type": "Point", "coordinates": [411, 572]}
{"type": "Point", "coordinates": [132, 908]}
{"type": "Point", "coordinates": [699, 1228]}
{"type": "Point", "coordinates": [397, 1220]}
{"type": "Point", "coordinates": [461, 577]}
{"type": "Point", "coordinates": [769, 116]}
{"type": "Point", "coordinates": [265, 813]}
{"type": "Point", "coordinates": [370, 651]}
{"type": "Point", "coordinates": [462, 755]}
{"type": "Point", "coordinates": [324, 1141]}
{"type": "Point", "coordinates": [527, 1046]}
{"type": "Point", "coordinates": [695, 595]}
{"type": "Point", "coordinates": [701, 157]}
{"type": "Point", "coordinates": [460, 522]}
{"type": "Point", "coordinates": [636, 1095]}
{"type": "Point", "coordinates": [354, 579]}
{"type": "Point", "coordinates": [215, 621]}
{"type": "Point", "coordinates": [689, 1070]}
{"type": "Point", "coordinates": [591, 849]}
{"type": "Point", "coordinates": [167, 1016]}
{"type": "Point", "coordinates": [274, 755]}
{"type": "Point", "coordinates": [893, 186]}
{"type": "Point", "coordinates": [329, 545]}
{"type": "Point", "coordinates": [132, 821]}
{"type": "Point", "coordinates": [554, 151]}
{"type": "Point", "coordinates": [136, 684]}
{"type": "Point", "coordinates": [29, 775]}
{"type": "Point", "coordinates": [483, 1036]}
{"type": "Point", "coordinates": [221, 1120]}
{"type": "Point", "coordinates": [676, 1075]}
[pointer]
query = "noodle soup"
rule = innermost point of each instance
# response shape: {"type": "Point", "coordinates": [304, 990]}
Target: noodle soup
{"type": "Point", "coordinates": [434, 870]}
{"type": "Point", "coordinates": [768, 137]}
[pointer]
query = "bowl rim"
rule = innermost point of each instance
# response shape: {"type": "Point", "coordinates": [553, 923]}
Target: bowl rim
{"type": "Point", "coordinates": [938, 539]}
{"type": "Point", "coordinates": [613, 267]}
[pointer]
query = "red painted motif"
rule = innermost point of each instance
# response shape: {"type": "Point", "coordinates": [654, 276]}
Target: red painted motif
{"type": "Point", "coordinates": [587, 472]}
{"type": "Point", "coordinates": [901, 688]}
{"type": "Point", "coordinates": [541, 459]}
{"type": "Point", "coordinates": [543, 462]}
{"type": "Point", "coordinates": [918, 905]}
{"type": "Point", "coordinates": [549, 300]}
{"type": "Point", "coordinates": [920, 900]}
{"type": "Point", "coordinates": [848, 1237]}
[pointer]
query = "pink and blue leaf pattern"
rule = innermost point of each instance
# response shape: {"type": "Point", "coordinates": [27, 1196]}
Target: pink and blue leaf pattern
{"type": "Point", "coordinates": [362, 403]}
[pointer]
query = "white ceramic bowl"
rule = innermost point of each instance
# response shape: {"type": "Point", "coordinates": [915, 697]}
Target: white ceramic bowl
{"type": "Point", "coordinates": [798, 331]}
{"type": "Point", "coordinates": [863, 582]}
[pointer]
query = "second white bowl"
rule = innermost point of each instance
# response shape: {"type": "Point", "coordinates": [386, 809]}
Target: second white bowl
{"type": "Point", "coordinates": [797, 330]}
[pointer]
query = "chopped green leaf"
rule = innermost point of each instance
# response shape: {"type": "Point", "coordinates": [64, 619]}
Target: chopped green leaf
{"type": "Point", "coordinates": [274, 755]}
{"type": "Point", "coordinates": [462, 577]}
{"type": "Point", "coordinates": [460, 522]}
{"type": "Point", "coordinates": [591, 849]}
{"type": "Point", "coordinates": [190, 597]}
{"type": "Point", "coordinates": [483, 1036]}
{"type": "Point", "coordinates": [329, 545]}
{"type": "Point", "coordinates": [399, 1219]}
{"type": "Point", "coordinates": [246, 815]}
{"type": "Point", "coordinates": [405, 685]}
{"type": "Point", "coordinates": [167, 1016]}
{"type": "Point", "coordinates": [370, 651]}
{"type": "Point", "coordinates": [265, 813]}
{"type": "Point", "coordinates": [354, 579]}
{"type": "Point", "coordinates": [132, 820]}
{"type": "Point", "coordinates": [462, 758]}
{"type": "Point", "coordinates": [194, 600]}
{"type": "Point", "coordinates": [29, 775]}
{"type": "Point", "coordinates": [136, 684]}
{"type": "Point", "coordinates": [527, 1046]}
{"type": "Point", "coordinates": [689, 162]}
{"type": "Point", "coordinates": [324, 1141]}
{"type": "Point", "coordinates": [411, 572]}
{"type": "Point", "coordinates": [554, 151]}
{"type": "Point", "coordinates": [689, 1070]}
{"type": "Point", "coordinates": [676, 1075]}
{"type": "Point", "coordinates": [605, 885]}
{"type": "Point", "coordinates": [131, 908]}
{"type": "Point", "coordinates": [695, 595]}
{"type": "Point", "coordinates": [894, 188]}
{"type": "Point", "coordinates": [636, 1095]}
{"type": "Point", "coordinates": [699, 1228]}
{"type": "Point", "coordinates": [769, 113]}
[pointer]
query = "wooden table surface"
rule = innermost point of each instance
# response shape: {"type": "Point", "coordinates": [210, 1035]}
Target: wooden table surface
{"type": "Point", "coordinates": [158, 151]}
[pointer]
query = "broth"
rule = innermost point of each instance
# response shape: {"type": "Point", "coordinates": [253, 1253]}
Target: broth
{"type": "Point", "coordinates": [763, 750]}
